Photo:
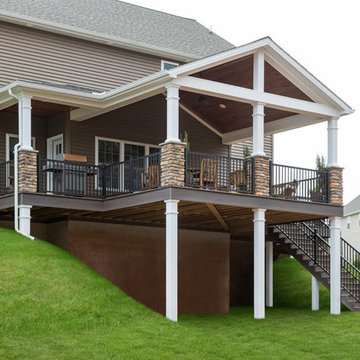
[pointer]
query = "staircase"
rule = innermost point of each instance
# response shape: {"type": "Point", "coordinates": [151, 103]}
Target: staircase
{"type": "Point", "coordinates": [308, 243]}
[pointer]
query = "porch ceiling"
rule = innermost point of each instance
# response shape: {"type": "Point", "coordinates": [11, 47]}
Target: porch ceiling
{"type": "Point", "coordinates": [237, 115]}
{"type": "Point", "coordinates": [42, 109]}
{"type": "Point", "coordinates": [234, 116]}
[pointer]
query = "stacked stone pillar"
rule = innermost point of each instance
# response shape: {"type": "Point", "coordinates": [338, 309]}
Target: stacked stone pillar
{"type": "Point", "coordinates": [336, 185]}
{"type": "Point", "coordinates": [172, 164]}
{"type": "Point", "coordinates": [27, 171]}
{"type": "Point", "coordinates": [262, 175]}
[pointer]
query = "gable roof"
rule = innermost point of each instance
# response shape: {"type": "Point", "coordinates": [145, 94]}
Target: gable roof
{"type": "Point", "coordinates": [352, 207]}
{"type": "Point", "coordinates": [118, 23]}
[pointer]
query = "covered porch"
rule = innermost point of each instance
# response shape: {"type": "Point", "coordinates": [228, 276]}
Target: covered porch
{"type": "Point", "coordinates": [243, 93]}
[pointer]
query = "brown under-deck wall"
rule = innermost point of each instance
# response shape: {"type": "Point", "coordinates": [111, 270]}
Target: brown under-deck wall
{"type": "Point", "coordinates": [143, 122]}
{"type": "Point", "coordinates": [241, 272]}
{"type": "Point", "coordinates": [133, 258]}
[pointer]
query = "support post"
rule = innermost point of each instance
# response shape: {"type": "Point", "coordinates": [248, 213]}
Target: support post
{"type": "Point", "coordinates": [25, 218]}
{"type": "Point", "coordinates": [24, 106]}
{"type": "Point", "coordinates": [332, 143]}
{"type": "Point", "coordinates": [335, 266]}
{"type": "Point", "coordinates": [258, 108]}
{"type": "Point", "coordinates": [314, 294]}
{"type": "Point", "coordinates": [269, 273]}
{"type": "Point", "coordinates": [172, 259]}
{"type": "Point", "coordinates": [259, 263]}
{"type": "Point", "coordinates": [172, 117]}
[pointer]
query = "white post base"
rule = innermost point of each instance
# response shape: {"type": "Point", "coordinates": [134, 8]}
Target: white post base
{"type": "Point", "coordinates": [172, 259]}
{"type": "Point", "coordinates": [25, 218]}
{"type": "Point", "coordinates": [314, 294]}
{"type": "Point", "coordinates": [259, 263]}
{"type": "Point", "coordinates": [269, 273]}
{"type": "Point", "coordinates": [335, 266]}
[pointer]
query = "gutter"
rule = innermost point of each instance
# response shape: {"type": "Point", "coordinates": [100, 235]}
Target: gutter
{"type": "Point", "coordinates": [16, 183]}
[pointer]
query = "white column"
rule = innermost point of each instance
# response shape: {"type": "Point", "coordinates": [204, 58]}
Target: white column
{"type": "Point", "coordinates": [314, 294]}
{"type": "Point", "coordinates": [333, 143]}
{"type": "Point", "coordinates": [24, 218]}
{"type": "Point", "coordinates": [335, 266]}
{"type": "Point", "coordinates": [259, 263]}
{"type": "Point", "coordinates": [24, 106]}
{"type": "Point", "coordinates": [172, 100]}
{"type": "Point", "coordinates": [172, 259]}
{"type": "Point", "coordinates": [269, 273]}
{"type": "Point", "coordinates": [258, 108]}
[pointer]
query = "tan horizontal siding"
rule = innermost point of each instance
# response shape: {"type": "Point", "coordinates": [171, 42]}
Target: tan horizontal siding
{"type": "Point", "coordinates": [143, 122]}
{"type": "Point", "coordinates": [237, 150]}
{"type": "Point", "coordinates": [29, 54]}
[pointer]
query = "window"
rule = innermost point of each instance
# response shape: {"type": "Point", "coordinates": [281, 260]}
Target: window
{"type": "Point", "coordinates": [348, 222]}
{"type": "Point", "coordinates": [167, 65]}
{"type": "Point", "coordinates": [110, 151]}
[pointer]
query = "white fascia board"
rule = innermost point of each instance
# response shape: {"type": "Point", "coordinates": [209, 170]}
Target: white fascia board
{"type": "Point", "coordinates": [240, 94]}
{"type": "Point", "coordinates": [309, 84]}
{"type": "Point", "coordinates": [272, 127]}
{"type": "Point", "coordinates": [93, 36]}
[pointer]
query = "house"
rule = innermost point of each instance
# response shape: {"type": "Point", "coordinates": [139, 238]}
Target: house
{"type": "Point", "coordinates": [99, 110]}
{"type": "Point", "coordinates": [350, 223]}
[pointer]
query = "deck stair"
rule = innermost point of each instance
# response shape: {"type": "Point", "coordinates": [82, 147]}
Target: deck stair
{"type": "Point", "coordinates": [308, 243]}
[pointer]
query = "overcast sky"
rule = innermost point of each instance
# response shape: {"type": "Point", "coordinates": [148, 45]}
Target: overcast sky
{"type": "Point", "coordinates": [323, 36]}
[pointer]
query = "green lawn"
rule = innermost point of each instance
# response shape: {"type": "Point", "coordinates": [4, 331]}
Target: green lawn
{"type": "Point", "coordinates": [54, 307]}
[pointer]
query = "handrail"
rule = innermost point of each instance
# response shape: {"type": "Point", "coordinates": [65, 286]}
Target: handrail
{"type": "Point", "coordinates": [219, 172]}
{"type": "Point", "coordinates": [63, 177]}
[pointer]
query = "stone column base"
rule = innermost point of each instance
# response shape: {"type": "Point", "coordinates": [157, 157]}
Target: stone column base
{"type": "Point", "coordinates": [27, 172]}
{"type": "Point", "coordinates": [336, 186]}
{"type": "Point", "coordinates": [172, 164]}
{"type": "Point", "coordinates": [262, 175]}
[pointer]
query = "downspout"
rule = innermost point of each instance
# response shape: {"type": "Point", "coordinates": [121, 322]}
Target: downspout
{"type": "Point", "coordinates": [16, 181]}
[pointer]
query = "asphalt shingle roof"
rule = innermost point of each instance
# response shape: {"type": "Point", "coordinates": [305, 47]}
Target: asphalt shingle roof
{"type": "Point", "coordinates": [126, 21]}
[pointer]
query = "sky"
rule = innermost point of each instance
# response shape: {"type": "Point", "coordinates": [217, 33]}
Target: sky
{"type": "Point", "coordinates": [323, 36]}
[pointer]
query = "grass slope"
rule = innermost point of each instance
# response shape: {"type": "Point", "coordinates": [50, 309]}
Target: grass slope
{"type": "Point", "coordinates": [54, 307]}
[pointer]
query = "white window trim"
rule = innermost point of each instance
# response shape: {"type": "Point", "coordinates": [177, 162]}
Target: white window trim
{"type": "Point", "coordinates": [163, 62]}
{"type": "Point", "coordinates": [7, 143]}
{"type": "Point", "coordinates": [49, 142]}
{"type": "Point", "coordinates": [122, 152]}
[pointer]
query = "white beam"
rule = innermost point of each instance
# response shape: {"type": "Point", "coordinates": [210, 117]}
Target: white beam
{"type": "Point", "coordinates": [24, 118]}
{"type": "Point", "coordinates": [259, 71]}
{"type": "Point", "coordinates": [240, 94]}
{"type": "Point", "coordinates": [333, 143]}
{"type": "Point", "coordinates": [171, 259]}
{"type": "Point", "coordinates": [314, 294]}
{"type": "Point", "coordinates": [269, 273]}
{"type": "Point", "coordinates": [335, 266]}
{"type": "Point", "coordinates": [259, 263]}
{"type": "Point", "coordinates": [272, 127]}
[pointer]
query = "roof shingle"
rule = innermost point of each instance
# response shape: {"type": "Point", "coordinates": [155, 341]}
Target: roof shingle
{"type": "Point", "coordinates": [125, 21]}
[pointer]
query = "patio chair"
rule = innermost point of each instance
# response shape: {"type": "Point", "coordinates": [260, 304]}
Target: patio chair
{"type": "Point", "coordinates": [208, 173]}
{"type": "Point", "coordinates": [286, 190]}
{"type": "Point", "coordinates": [151, 178]}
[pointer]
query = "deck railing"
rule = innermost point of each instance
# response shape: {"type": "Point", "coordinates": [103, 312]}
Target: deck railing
{"type": "Point", "coordinates": [99, 181]}
{"type": "Point", "coordinates": [217, 172]}
{"type": "Point", "coordinates": [6, 177]}
{"type": "Point", "coordinates": [295, 183]}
